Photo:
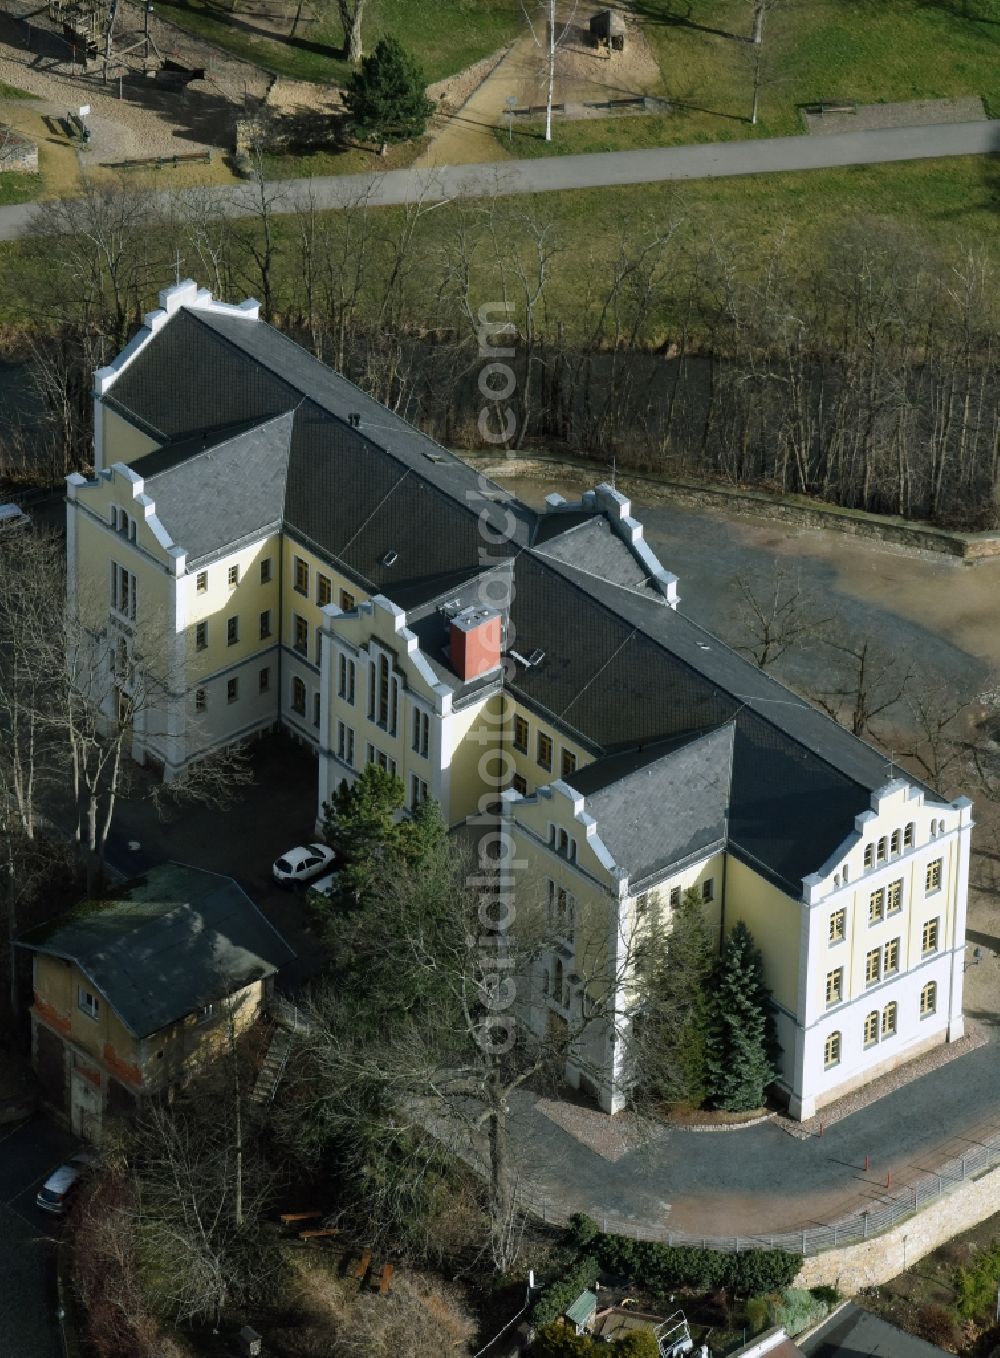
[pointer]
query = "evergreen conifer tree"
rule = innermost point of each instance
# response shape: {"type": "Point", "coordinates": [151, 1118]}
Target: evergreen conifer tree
{"type": "Point", "coordinates": [742, 1042]}
{"type": "Point", "coordinates": [385, 99]}
{"type": "Point", "coordinates": [670, 1044]}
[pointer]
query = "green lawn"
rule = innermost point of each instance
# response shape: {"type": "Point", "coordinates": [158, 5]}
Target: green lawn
{"type": "Point", "coordinates": [813, 50]}
{"type": "Point", "coordinates": [444, 35]}
{"type": "Point", "coordinates": [16, 187]}
{"type": "Point", "coordinates": [12, 92]}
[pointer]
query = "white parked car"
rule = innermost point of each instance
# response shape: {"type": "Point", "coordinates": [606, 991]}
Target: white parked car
{"type": "Point", "coordinates": [302, 864]}
{"type": "Point", "coordinates": [56, 1193]}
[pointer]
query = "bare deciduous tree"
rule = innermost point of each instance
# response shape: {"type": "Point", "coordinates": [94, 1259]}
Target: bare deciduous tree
{"type": "Point", "coordinates": [873, 682]}
{"type": "Point", "coordinates": [774, 616]}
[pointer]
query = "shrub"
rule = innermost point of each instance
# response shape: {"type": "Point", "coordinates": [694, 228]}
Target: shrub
{"type": "Point", "coordinates": [562, 1292]}
{"type": "Point", "coordinates": [581, 1230]}
{"type": "Point", "coordinates": [556, 1340]}
{"type": "Point", "coordinates": [638, 1344]}
{"type": "Point", "coordinates": [662, 1268]}
{"type": "Point", "coordinates": [797, 1310]}
{"type": "Point", "coordinates": [936, 1324]}
{"type": "Point", "coordinates": [829, 1296]}
{"type": "Point", "coordinates": [758, 1314]}
{"type": "Point", "coordinates": [975, 1286]}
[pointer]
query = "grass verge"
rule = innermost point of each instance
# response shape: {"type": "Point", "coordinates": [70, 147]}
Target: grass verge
{"type": "Point", "coordinates": [444, 35]}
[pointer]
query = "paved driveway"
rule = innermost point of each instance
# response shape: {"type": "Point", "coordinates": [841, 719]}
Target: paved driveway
{"type": "Point", "coordinates": [28, 1325]}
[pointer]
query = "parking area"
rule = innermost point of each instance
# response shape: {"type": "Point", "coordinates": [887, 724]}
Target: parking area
{"type": "Point", "coordinates": [29, 1238]}
{"type": "Point", "coordinates": [241, 840]}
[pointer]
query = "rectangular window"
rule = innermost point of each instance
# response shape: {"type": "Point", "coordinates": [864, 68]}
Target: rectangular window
{"type": "Point", "coordinates": [894, 897]}
{"type": "Point", "coordinates": [300, 634]}
{"type": "Point", "coordinates": [265, 571]}
{"type": "Point", "coordinates": [708, 889]}
{"type": "Point", "coordinates": [871, 1028]}
{"type": "Point", "coordinates": [519, 784]}
{"type": "Point", "coordinates": [838, 926]}
{"type": "Point", "coordinates": [929, 937]}
{"type": "Point", "coordinates": [831, 1051]}
{"type": "Point", "coordinates": [894, 842]}
{"type": "Point", "coordinates": [345, 687]}
{"type": "Point", "coordinates": [201, 582]}
{"type": "Point", "coordinates": [675, 897]}
{"type": "Point", "coordinates": [379, 757]}
{"type": "Point", "coordinates": [346, 600]}
{"type": "Point", "coordinates": [265, 624]}
{"type": "Point", "coordinates": [876, 907]}
{"type": "Point", "coordinates": [232, 690]}
{"type": "Point", "coordinates": [345, 744]}
{"type": "Point", "coordinates": [928, 999]}
{"type": "Point", "coordinates": [834, 986]}
{"type": "Point", "coordinates": [319, 646]}
{"type": "Point", "coordinates": [520, 734]}
{"type": "Point", "coordinates": [264, 680]}
{"type": "Point", "coordinates": [873, 967]}
{"type": "Point", "coordinates": [421, 732]}
{"type": "Point", "coordinates": [88, 1002]}
{"type": "Point", "coordinates": [201, 636]}
{"type": "Point", "coordinates": [883, 846]}
{"type": "Point", "coordinates": [233, 630]}
{"type": "Point", "coordinates": [298, 696]}
{"type": "Point", "coordinates": [324, 590]}
{"type": "Point", "coordinates": [199, 700]}
{"type": "Point", "coordinates": [234, 575]}
{"type": "Point", "coordinates": [316, 706]}
{"type": "Point", "coordinates": [890, 957]}
{"type": "Point", "coordinates": [869, 855]}
{"type": "Point", "coordinates": [123, 591]}
{"type": "Point", "coordinates": [544, 750]}
{"type": "Point", "coordinates": [301, 577]}
{"type": "Point", "coordinates": [889, 1014]}
{"type": "Point", "coordinates": [908, 832]}
{"type": "Point", "coordinates": [932, 882]}
{"type": "Point", "coordinates": [568, 763]}
{"type": "Point", "coordinates": [418, 791]}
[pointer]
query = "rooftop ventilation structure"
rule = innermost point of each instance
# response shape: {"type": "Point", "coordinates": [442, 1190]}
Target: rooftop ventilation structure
{"type": "Point", "coordinates": [475, 642]}
{"type": "Point", "coordinates": [354, 420]}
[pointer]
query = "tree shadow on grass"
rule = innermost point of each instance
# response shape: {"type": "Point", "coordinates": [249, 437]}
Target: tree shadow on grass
{"type": "Point", "coordinates": [672, 14]}
{"type": "Point", "coordinates": [240, 24]}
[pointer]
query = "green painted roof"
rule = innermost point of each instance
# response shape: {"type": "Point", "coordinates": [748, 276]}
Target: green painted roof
{"type": "Point", "coordinates": [171, 941]}
{"type": "Point", "coordinates": [583, 1308]}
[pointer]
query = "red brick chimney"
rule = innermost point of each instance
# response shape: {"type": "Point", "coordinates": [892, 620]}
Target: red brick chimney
{"type": "Point", "coordinates": [476, 641]}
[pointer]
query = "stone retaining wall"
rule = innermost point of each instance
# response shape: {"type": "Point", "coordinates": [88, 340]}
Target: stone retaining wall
{"type": "Point", "coordinates": [872, 1262]}
{"type": "Point", "coordinates": [970, 547]}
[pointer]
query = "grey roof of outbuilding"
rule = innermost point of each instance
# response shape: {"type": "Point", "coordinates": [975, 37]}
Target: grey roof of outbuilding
{"type": "Point", "coordinates": [667, 810]}
{"type": "Point", "coordinates": [192, 486]}
{"type": "Point", "coordinates": [852, 1332]}
{"type": "Point", "coordinates": [170, 942]}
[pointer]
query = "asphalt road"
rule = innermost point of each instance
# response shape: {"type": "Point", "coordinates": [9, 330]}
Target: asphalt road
{"type": "Point", "coordinates": [603, 170]}
{"type": "Point", "coordinates": [28, 1154]}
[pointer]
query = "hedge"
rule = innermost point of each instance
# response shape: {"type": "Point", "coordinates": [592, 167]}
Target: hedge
{"type": "Point", "coordinates": [661, 1268]}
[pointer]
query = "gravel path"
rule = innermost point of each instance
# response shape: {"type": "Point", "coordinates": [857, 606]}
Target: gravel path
{"type": "Point", "coordinates": [913, 113]}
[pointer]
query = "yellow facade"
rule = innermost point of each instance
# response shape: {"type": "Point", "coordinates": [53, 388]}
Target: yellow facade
{"type": "Point", "coordinates": [776, 922]}
{"type": "Point", "coordinates": [121, 441]}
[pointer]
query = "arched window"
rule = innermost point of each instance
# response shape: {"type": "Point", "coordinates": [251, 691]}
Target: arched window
{"type": "Point", "coordinates": [871, 1028]}
{"type": "Point", "coordinates": [831, 1050]}
{"type": "Point", "coordinates": [928, 999]}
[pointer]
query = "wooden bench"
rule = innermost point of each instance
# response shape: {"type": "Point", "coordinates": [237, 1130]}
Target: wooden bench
{"type": "Point", "coordinates": [286, 1218]}
{"type": "Point", "coordinates": [318, 1232]}
{"type": "Point", "coordinates": [359, 1267]}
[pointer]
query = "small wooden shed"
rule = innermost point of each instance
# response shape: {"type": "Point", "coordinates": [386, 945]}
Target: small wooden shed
{"type": "Point", "coordinates": [607, 29]}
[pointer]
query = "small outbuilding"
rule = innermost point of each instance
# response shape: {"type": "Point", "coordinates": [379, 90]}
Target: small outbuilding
{"type": "Point", "coordinates": [607, 29]}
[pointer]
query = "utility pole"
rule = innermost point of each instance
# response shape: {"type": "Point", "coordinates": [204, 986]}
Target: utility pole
{"type": "Point", "coordinates": [552, 69]}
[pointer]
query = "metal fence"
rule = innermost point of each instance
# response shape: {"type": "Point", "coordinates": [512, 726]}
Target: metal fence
{"type": "Point", "coordinates": [888, 1207]}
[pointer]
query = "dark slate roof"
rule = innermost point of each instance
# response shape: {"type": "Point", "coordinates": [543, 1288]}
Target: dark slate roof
{"type": "Point", "coordinates": [670, 809]}
{"type": "Point", "coordinates": [595, 547]}
{"type": "Point", "coordinates": [192, 486]}
{"type": "Point", "coordinates": [854, 1333]}
{"type": "Point", "coordinates": [170, 942]}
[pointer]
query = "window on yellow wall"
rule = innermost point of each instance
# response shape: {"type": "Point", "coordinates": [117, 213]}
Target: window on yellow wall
{"type": "Point", "coordinates": [347, 600]}
{"type": "Point", "coordinates": [929, 937]}
{"type": "Point", "coordinates": [232, 630]}
{"type": "Point", "coordinates": [568, 763]}
{"type": "Point", "coordinates": [300, 634]}
{"type": "Point", "coordinates": [520, 734]}
{"type": "Point", "coordinates": [234, 575]}
{"type": "Point", "coordinates": [298, 696]}
{"type": "Point", "coordinates": [894, 897]}
{"type": "Point", "coordinates": [319, 645]}
{"type": "Point", "coordinates": [928, 999]}
{"type": "Point", "coordinates": [675, 897]}
{"type": "Point", "coordinates": [871, 1028]}
{"type": "Point", "coordinates": [265, 570]}
{"type": "Point", "coordinates": [890, 957]}
{"type": "Point", "coordinates": [838, 926]}
{"type": "Point", "coordinates": [301, 578]}
{"type": "Point", "coordinates": [265, 624]}
{"type": "Point", "coordinates": [544, 750]}
{"type": "Point", "coordinates": [519, 784]}
{"type": "Point", "coordinates": [708, 889]}
{"type": "Point", "coordinates": [869, 855]}
{"type": "Point", "coordinates": [876, 907]}
{"type": "Point", "coordinates": [201, 582]}
{"type": "Point", "coordinates": [932, 881]}
{"type": "Point", "coordinates": [889, 1016]}
{"type": "Point", "coordinates": [831, 1050]}
{"type": "Point", "coordinates": [88, 1002]}
{"type": "Point", "coordinates": [894, 842]}
{"type": "Point", "coordinates": [201, 636]}
{"type": "Point", "coordinates": [324, 590]}
{"type": "Point", "coordinates": [345, 688]}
